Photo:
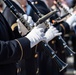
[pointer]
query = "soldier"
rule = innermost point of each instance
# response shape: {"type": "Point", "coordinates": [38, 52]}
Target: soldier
{"type": "Point", "coordinates": [46, 65]}
{"type": "Point", "coordinates": [29, 70]}
{"type": "Point", "coordinates": [45, 68]}
{"type": "Point", "coordinates": [72, 4]}
{"type": "Point", "coordinates": [14, 49]}
{"type": "Point", "coordinates": [13, 24]}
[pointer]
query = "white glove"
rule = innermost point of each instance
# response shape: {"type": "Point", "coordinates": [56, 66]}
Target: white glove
{"type": "Point", "coordinates": [51, 33]}
{"type": "Point", "coordinates": [71, 20]}
{"type": "Point", "coordinates": [22, 29]}
{"type": "Point", "coordinates": [28, 19]}
{"type": "Point", "coordinates": [35, 36]}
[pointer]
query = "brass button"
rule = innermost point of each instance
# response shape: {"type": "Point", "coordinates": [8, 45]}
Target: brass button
{"type": "Point", "coordinates": [36, 2]}
{"type": "Point", "coordinates": [18, 70]}
{"type": "Point", "coordinates": [53, 42]}
{"type": "Point", "coordinates": [36, 55]}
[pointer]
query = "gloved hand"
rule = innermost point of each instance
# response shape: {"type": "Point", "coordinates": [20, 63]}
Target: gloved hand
{"type": "Point", "coordinates": [28, 19]}
{"type": "Point", "coordinates": [71, 20]}
{"type": "Point", "coordinates": [51, 33]}
{"type": "Point", "coordinates": [22, 29]}
{"type": "Point", "coordinates": [35, 36]}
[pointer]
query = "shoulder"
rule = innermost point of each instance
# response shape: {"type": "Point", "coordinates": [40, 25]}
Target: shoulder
{"type": "Point", "coordinates": [42, 7]}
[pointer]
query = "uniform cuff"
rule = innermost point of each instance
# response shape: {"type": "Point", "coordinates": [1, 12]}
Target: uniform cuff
{"type": "Point", "coordinates": [24, 44]}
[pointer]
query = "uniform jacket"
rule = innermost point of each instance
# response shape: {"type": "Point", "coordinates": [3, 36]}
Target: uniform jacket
{"type": "Point", "coordinates": [46, 65]}
{"type": "Point", "coordinates": [24, 66]}
{"type": "Point", "coordinates": [11, 49]}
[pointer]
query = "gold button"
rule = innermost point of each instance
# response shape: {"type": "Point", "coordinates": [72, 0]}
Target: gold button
{"type": "Point", "coordinates": [36, 2]}
{"type": "Point", "coordinates": [53, 42]}
{"type": "Point", "coordinates": [36, 55]}
{"type": "Point", "coordinates": [18, 70]}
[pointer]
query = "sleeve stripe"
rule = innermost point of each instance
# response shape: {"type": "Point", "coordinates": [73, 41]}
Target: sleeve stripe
{"type": "Point", "coordinates": [20, 48]}
{"type": "Point", "coordinates": [62, 27]}
{"type": "Point", "coordinates": [13, 26]}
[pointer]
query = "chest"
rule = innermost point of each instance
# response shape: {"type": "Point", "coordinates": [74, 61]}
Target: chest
{"type": "Point", "coordinates": [5, 31]}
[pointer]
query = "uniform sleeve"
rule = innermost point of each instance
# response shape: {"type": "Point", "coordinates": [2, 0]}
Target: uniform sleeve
{"type": "Point", "coordinates": [15, 50]}
{"type": "Point", "coordinates": [63, 27]}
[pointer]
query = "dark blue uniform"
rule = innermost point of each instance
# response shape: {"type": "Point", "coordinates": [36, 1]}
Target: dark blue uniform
{"type": "Point", "coordinates": [45, 63]}
{"type": "Point", "coordinates": [25, 66]}
{"type": "Point", "coordinates": [12, 50]}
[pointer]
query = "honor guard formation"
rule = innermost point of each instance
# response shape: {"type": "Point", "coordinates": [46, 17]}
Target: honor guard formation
{"type": "Point", "coordinates": [37, 37]}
